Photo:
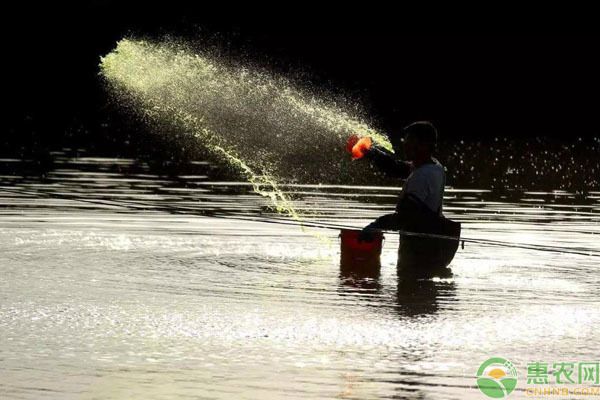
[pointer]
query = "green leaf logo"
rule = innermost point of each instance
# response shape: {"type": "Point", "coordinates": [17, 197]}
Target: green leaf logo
{"type": "Point", "coordinates": [497, 377]}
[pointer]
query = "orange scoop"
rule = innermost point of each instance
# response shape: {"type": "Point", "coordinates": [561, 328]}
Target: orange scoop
{"type": "Point", "coordinates": [358, 146]}
{"type": "Point", "coordinates": [351, 142]}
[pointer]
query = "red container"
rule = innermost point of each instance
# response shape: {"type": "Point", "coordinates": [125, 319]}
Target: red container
{"type": "Point", "coordinates": [355, 253]}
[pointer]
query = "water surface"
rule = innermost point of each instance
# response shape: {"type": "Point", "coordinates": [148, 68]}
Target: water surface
{"type": "Point", "coordinates": [120, 283]}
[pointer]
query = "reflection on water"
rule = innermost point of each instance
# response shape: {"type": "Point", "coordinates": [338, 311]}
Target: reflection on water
{"type": "Point", "coordinates": [121, 283]}
{"type": "Point", "coordinates": [421, 297]}
{"type": "Point", "coordinates": [414, 297]}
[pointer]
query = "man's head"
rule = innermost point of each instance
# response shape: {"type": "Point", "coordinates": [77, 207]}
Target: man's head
{"type": "Point", "coordinates": [420, 139]}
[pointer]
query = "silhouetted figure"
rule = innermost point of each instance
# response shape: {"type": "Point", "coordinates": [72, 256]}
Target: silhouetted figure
{"type": "Point", "coordinates": [419, 208]}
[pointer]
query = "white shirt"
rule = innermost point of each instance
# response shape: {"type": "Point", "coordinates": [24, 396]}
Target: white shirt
{"type": "Point", "coordinates": [427, 184]}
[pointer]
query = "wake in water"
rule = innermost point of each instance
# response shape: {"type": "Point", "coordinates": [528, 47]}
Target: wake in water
{"type": "Point", "coordinates": [264, 126]}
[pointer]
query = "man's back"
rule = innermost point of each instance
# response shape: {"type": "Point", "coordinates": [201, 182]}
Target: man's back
{"type": "Point", "coordinates": [426, 183]}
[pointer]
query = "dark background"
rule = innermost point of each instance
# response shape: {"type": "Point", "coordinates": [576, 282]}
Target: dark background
{"type": "Point", "coordinates": [475, 77]}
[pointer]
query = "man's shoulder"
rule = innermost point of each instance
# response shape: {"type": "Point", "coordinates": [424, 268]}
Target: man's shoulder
{"type": "Point", "coordinates": [437, 164]}
{"type": "Point", "coordinates": [430, 168]}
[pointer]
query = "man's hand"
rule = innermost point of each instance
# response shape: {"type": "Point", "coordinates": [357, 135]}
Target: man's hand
{"type": "Point", "coordinates": [367, 234]}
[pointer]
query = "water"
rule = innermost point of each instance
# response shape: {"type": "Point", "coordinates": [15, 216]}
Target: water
{"type": "Point", "coordinates": [269, 129]}
{"type": "Point", "coordinates": [274, 131]}
{"type": "Point", "coordinates": [121, 283]}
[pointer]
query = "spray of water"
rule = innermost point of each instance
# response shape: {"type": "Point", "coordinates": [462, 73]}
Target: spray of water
{"type": "Point", "coordinates": [269, 129]}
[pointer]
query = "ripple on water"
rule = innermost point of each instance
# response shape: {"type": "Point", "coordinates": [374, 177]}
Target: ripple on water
{"type": "Point", "coordinates": [142, 289]}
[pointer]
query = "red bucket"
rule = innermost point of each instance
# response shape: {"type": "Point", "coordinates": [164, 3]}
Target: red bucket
{"type": "Point", "coordinates": [354, 252]}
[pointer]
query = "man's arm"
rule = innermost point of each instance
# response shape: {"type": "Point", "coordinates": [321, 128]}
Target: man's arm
{"type": "Point", "coordinates": [409, 213]}
{"type": "Point", "coordinates": [388, 163]}
{"type": "Point", "coordinates": [388, 222]}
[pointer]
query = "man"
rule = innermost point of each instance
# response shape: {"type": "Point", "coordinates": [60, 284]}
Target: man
{"type": "Point", "coordinates": [419, 208]}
